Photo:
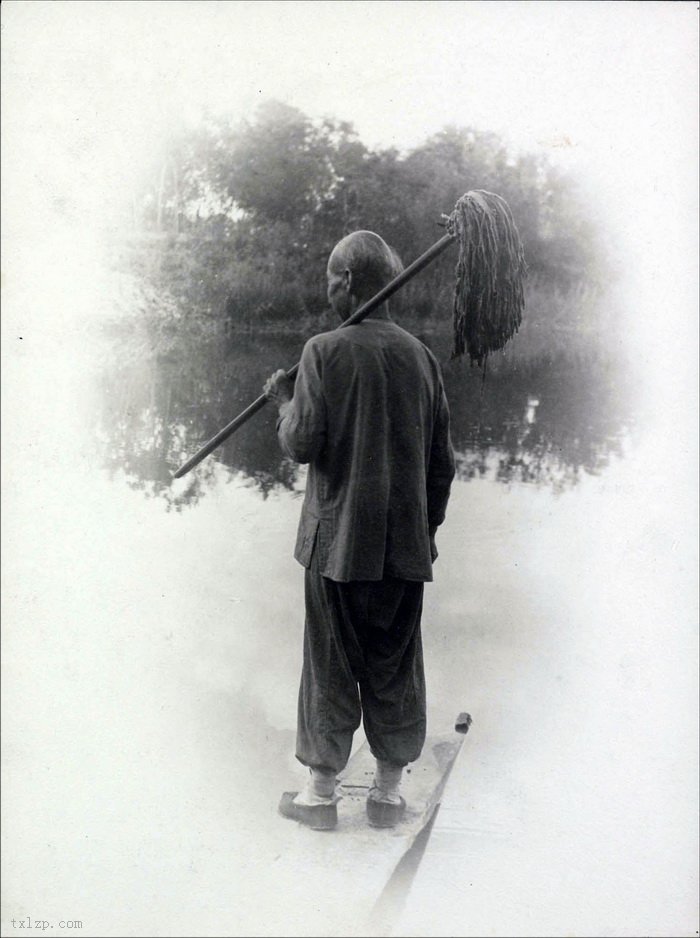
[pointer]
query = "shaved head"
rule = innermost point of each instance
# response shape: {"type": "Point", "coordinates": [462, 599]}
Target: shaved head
{"type": "Point", "coordinates": [369, 259]}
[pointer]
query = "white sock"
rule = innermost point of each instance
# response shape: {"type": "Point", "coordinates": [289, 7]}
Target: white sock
{"type": "Point", "coordinates": [387, 783]}
{"type": "Point", "coordinates": [319, 789]}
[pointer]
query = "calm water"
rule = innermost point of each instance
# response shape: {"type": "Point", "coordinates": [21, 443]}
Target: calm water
{"type": "Point", "coordinates": [165, 622]}
{"type": "Point", "coordinates": [546, 421]}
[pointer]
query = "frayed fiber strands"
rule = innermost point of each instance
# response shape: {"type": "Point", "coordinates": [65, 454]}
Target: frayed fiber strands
{"type": "Point", "coordinates": [489, 298]}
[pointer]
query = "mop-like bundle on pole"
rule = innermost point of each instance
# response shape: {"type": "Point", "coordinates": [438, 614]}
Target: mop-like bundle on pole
{"type": "Point", "coordinates": [489, 298]}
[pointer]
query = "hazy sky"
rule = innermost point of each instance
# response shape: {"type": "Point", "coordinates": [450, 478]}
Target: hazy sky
{"type": "Point", "coordinates": [594, 84]}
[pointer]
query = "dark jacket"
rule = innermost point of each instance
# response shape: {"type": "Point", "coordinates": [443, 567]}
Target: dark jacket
{"type": "Point", "coordinates": [369, 414]}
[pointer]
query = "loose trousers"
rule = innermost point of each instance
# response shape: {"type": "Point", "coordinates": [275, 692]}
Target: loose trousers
{"type": "Point", "coordinates": [363, 659]}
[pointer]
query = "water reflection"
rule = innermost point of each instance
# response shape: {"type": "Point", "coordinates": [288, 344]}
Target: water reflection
{"type": "Point", "coordinates": [544, 420]}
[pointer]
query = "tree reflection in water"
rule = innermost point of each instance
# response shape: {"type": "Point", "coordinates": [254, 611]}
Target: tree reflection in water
{"type": "Point", "coordinates": [543, 421]}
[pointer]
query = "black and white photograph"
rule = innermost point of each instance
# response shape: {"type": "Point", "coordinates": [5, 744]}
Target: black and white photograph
{"type": "Point", "coordinates": [349, 468]}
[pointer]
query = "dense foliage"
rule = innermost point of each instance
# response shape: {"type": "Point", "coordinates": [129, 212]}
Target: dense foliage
{"type": "Point", "coordinates": [237, 222]}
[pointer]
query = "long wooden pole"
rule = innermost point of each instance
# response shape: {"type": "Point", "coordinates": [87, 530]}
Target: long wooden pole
{"type": "Point", "coordinates": [356, 317]}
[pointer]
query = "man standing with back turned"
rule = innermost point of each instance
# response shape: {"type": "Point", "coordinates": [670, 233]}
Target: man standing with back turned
{"type": "Point", "coordinates": [368, 413]}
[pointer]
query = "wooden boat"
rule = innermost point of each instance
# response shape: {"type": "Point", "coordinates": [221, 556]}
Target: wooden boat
{"type": "Point", "coordinates": [348, 881]}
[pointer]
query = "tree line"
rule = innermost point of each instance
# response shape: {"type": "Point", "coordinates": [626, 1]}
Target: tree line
{"type": "Point", "coordinates": [237, 221]}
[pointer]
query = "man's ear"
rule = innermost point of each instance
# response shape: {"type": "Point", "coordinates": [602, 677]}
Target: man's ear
{"type": "Point", "coordinates": [347, 280]}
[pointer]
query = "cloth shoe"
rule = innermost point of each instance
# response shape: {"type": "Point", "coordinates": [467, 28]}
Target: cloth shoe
{"type": "Point", "coordinates": [382, 812]}
{"type": "Point", "coordinates": [385, 806]}
{"type": "Point", "coordinates": [315, 804]}
{"type": "Point", "coordinates": [319, 817]}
